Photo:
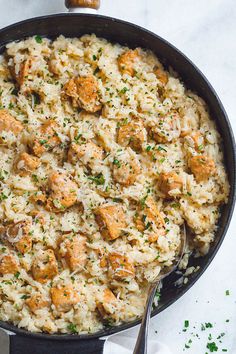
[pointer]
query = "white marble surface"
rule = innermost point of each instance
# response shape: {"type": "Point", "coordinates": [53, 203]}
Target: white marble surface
{"type": "Point", "coordinates": [205, 30]}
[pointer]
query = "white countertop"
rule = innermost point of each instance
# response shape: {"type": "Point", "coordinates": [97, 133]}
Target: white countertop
{"type": "Point", "coordinates": [205, 30]}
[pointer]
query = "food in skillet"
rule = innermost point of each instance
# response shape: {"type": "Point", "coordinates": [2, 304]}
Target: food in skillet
{"type": "Point", "coordinates": [103, 156]}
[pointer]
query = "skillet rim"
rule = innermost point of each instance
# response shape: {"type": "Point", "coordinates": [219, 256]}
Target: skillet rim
{"type": "Point", "coordinates": [229, 207]}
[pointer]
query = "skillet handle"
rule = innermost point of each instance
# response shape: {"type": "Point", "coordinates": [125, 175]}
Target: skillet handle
{"type": "Point", "coordinates": [20, 344]}
{"type": "Point", "coordinates": [92, 4]}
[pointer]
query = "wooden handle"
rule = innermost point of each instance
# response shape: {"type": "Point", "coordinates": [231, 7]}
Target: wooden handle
{"type": "Point", "coordinates": [92, 4]}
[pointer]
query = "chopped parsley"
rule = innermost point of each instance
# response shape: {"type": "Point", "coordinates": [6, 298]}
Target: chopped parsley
{"type": "Point", "coordinates": [98, 179]}
{"type": "Point", "coordinates": [3, 175]}
{"type": "Point", "coordinates": [35, 178]}
{"type": "Point", "coordinates": [212, 347]}
{"type": "Point", "coordinates": [186, 323]}
{"type": "Point", "coordinates": [117, 163]}
{"type": "Point", "coordinates": [160, 148]}
{"type": "Point", "coordinates": [38, 39]}
{"type": "Point", "coordinates": [36, 98]}
{"type": "Point", "coordinates": [208, 325]}
{"type": "Point", "coordinates": [227, 293]}
{"type": "Point", "coordinates": [124, 90]}
{"type": "Point", "coordinates": [3, 196]}
{"type": "Point", "coordinates": [16, 275]}
{"type": "Point", "coordinates": [72, 327]}
{"type": "Point", "coordinates": [143, 201]}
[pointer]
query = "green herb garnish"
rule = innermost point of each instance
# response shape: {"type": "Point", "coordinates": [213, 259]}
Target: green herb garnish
{"type": "Point", "coordinates": [212, 347]}
{"type": "Point", "coordinates": [72, 327]}
{"type": "Point", "coordinates": [38, 39]}
{"type": "Point", "coordinates": [98, 179]}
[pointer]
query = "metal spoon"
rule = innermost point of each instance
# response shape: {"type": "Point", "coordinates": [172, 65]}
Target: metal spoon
{"type": "Point", "coordinates": [141, 343]}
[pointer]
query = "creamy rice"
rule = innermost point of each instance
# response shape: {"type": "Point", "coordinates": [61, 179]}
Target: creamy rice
{"type": "Point", "coordinates": [103, 156]}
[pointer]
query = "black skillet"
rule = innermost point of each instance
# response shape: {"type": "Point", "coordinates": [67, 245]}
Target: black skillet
{"type": "Point", "coordinates": [75, 25]}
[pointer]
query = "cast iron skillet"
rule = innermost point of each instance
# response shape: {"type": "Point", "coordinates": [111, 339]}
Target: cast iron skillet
{"type": "Point", "coordinates": [75, 25]}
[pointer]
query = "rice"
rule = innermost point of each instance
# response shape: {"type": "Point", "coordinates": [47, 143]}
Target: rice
{"type": "Point", "coordinates": [104, 155]}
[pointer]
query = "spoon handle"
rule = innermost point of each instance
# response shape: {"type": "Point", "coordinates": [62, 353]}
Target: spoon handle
{"type": "Point", "coordinates": [141, 343]}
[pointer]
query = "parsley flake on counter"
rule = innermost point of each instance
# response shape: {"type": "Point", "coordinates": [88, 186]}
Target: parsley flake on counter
{"type": "Point", "coordinates": [212, 347]}
{"type": "Point", "coordinates": [186, 323]}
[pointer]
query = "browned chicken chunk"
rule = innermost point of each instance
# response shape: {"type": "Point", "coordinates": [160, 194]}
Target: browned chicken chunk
{"type": "Point", "coordinates": [132, 134]}
{"type": "Point", "coordinates": [18, 236]}
{"type": "Point", "coordinates": [64, 298]}
{"type": "Point", "coordinates": [167, 129]}
{"type": "Point", "coordinates": [197, 141]}
{"type": "Point", "coordinates": [202, 167]}
{"type": "Point", "coordinates": [44, 266]}
{"type": "Point", "coordinates": [8, 123]}
{"type": "Point", "coordinates": [126, 62]}
{"type": "Point", "coordinates": [84, 93]}
{"type": "Point", "coordinates": [168, 182]}
{"type": "Point", "coordinates": [38, 198]}
{"type": "Point", "coordinates": [25, 68]}
{"type": "Point", "coordinates": [107, 305]}
{"type": "Point", "coordinates": [126, 168]}
{"type": "Point", "coordinates": [73, 249]}
{"type": "Point", "coordinates": [111, 220]}
{"type": "Point", "coordinates": [62, 192]}
{"type": "Point", "coordinates": [149, 215]}
{"type": "Point", "coordinates": [8, 264]}
{"type": "Point", "coordinates": [26, 163]}
{"type": "Point", "coordinates": [161, 75]}
{"type": "Point", "coordinates": [37, 302]}
{"type": "Point", "coordinates": [46, 138]}
{"type": "Point", "coordinates": [88, 151]}
{"type": "Point", "coordinates": [120, 268]}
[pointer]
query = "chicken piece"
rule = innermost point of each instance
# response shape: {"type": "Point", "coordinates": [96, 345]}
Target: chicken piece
{"type": "Point", "coordinates": [18, 236]}
{"type": "Point", "coordinates": [87, 152]}
{"type": "Point", "coordinates": [150, 218]}
{"type": "Point", "coordinates": [8, 123]}
{"type": "Point", "coordinates": [8, 264]}
{"type": "Point", "coordinates": [37, 302]}
{"type": "Point", "coordinates": [84, 93]}
{"type": "Point", "coordinates": [64, 298]}
{"type": "Point", "coordinates": [103, 261]}
{"type": "Point", "coordinates": [126, 62]}
{"type": "Point", "coordinates": [167, 129]}
{"type": "Point", "coordinates": [44, 266]}
{"type": "Point", "coordinates": [73, 249]}
{"type": "Point", "coordinates": [120, 268]}
{"type": "Point", "coordinates": [196, 141]}
{"type": "Point", "coordinates": [132, 134]}
{"type": "Point", "coordinates": [107, 303]}
{"type": "Point", "coordinates": [25, 68]}
{"type": "Point", "coordinates": [26, 164]}
{"type": "Point", "coordinates": [168, 182]}
{"type": "Point", "coordinates": [62, 192]}
{"type": "Point", "coordinates": [101, 252]}
{"type": "Point", "coordinates": [161, 75]}
{"type": "Point", "coordinates": [38, 198]}
{"type": "Point", "coordinates": [202, 167]}
{"type": "Point", "coordinates": [111, 220]}
{"type": "Point", "coordinates": [126, 168]}
{"type": "Point", "coordinates": [46, 138]}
